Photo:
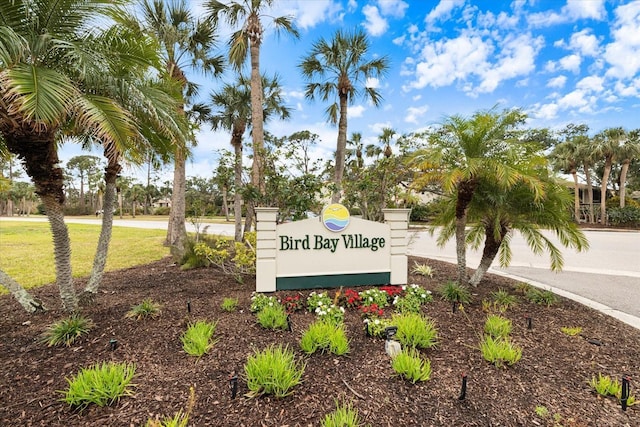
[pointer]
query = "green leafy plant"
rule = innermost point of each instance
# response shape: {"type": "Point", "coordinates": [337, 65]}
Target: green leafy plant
{"type": "Point", "coordinates": [101, 384]}
{"type": "Point", "coordinates": [497, 326]}
{"type": "Point", "coordinates": [418, 291]}
{"type": "Point", "coordinates": [229, 304]}
{"type": "Point", "coordinates": [453, 292]}
{"type": "Point", "coordinates": [273, 371]}
{"type": "Point", "coordinates": [409, 303]}
{"type": "Point", "coordinates": [147, 308]}
{"type": "Point", "coordinates": [376, 325]}
{"type": "Point", "coordinates": [523, 288]}
{"type": "Point", "coordinates": [331, 314]}
{"type": "Point", "coordinates": [260, 301]}
{"type": "Point", "coordinates": [292, 303]}
{"type": "Point", "coordinates": [542, 411]}
{"type": "Point", "coordinates": [343, 416]}
{"type": "Point", "coordinates": [374, 296]}
{"type": "Point", "coordinates": [244, 258]}
{"type": "Point", "coordinates": [415, 330]}
{"type": "Point", "coordinates": [605, 386]}
{"type": "Point", "coordinates": [67, 331]}
{"type": "Point", "coordinates": [196, 340]}
{"type": "Point", "coordinates": [323, 336]}
{"type": "Point", "coordinates": [499, 351]}
{"type": "Point", "coordinates": [504, 299]}
{"type": "Point", "coordinates": [571, 331]}
{"type": "Point", "coordinates": [538, 296]}
{"type": "Point", "coordinates": [409, 365]}
{"type": "Point", "coordinates": [315, 300]}
{"type": "Point", "coordinates": [422, 270]}
{"type": "Point", "coordinates": [273, 317]}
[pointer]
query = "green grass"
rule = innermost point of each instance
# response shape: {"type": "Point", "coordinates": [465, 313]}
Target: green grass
{"type": "Point", "coordinates": [197, 339]}
{"type": "Point", "coordinates": [27, 250]}
{"type": "Point", "coordinates": [273, 371]}
{"type": "Point", "coordinates": [101, 384]}
{"type": "Point", "coordinates": [409, 365]}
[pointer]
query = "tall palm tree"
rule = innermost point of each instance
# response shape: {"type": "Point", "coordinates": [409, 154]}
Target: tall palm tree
{"type": "Point", "coordinates": [246, 16]}
{"type": "Point", "coordinates": [464, 151]}
{"type": "Point", "coordinates": [186, 42]}
{"type": "Point", "coordinates": [607, 146]}
{"type": "Point", "coordinates": [53, 66]}
{"type": "Point", "coordinates": [565, 158]}
{"type": "Point", "coordinates": [628, 151]}
{"type": "Point", "coordinates": [234, 114]}
{"type": "Point", "coordinates": [338, 69]}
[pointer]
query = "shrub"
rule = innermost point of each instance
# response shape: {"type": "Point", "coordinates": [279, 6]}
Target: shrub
{"type": "Point", "coordinates": [343, 416]}
{"type": "Point", "coordinates": [497, 326]}
{"type": "Point", "coordinates": [101, 384]}
{"type": "Point", "coordinates": [196, 340]}
{"type": "Point", "coordinates": [409, 365]}
{"type": "Point", "coordinates": [322, 336]}
{"type": "Point", "coordinates": [229, 304]}
{"type": "Point", "coordinates": [523, 288]}
{"type": "Point", "coordinates": [415, 330]}
{"type": "Point", "coordinates": [453, 292]}
{"type": "Point", "coordinates": [272, 371]}
{"type": "Point", "coordinates": [499, 351]}
{"type": "Point", "coordinates": [422, 270]}
{"type": "Point", "coordinates": [273, 317]}
{"type": "Point", "coordinates": [410, 303]}
{"type": "Point", "coordinates": [541, 297]}
{"type": "Point", "coordinates": [504, 299]}
{"type": "Point", "coordinates": [260, 301]}
{"type": "Point", "coordinates": [629, 216]}
{"type": "Point", "coordinates": [67, 331]}
{"type": "Point", "coordinates": [147, 308]}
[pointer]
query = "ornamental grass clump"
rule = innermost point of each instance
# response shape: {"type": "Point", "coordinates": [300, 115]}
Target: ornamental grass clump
{"type": "Point", "coordinates": [196, 340]}
{"type": "Point", "coordinates": [422, 269]}
{"type": "Point", "coordinates": [504, 299]}
{"type": "Point", "coordinates": [499, 351]}
{"type": "Point", "coordinates": [101, 384]}
{"type": "Point", "coordinates": [497, 326]}
{"type": "Point", "coordinates": [323, 336]}
{"type": "Point", "coordinates": [273, 317]}
{"type": "Point", "coordinates": [67, 331]}
{"type": "Point", "coordinates": [453, 292]}
{"type": "Point", "coordinates": [146, 309]}
{"type": "Point", "coordinates": [273, 371]}
{"type": "Point", "coordinates": [541, 297]}
{"type": "Point", "coordinates": [229, 304]}
{"type": "Point", "coordinates": [409, 365]}
{"type": "Point", "coordinates": [343, 416]}
{"type": "Point", "coordinates": [415, 330]}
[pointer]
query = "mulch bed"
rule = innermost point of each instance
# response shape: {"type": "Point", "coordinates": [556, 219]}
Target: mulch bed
{"type": "Point", "coordinates": [554, 370]}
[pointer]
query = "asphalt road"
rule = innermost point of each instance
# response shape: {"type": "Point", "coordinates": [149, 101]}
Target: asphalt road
{"type": "Point", "coordinates": [605, 277]}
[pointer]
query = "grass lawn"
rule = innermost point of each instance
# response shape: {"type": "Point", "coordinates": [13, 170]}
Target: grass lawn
{"type": "Point", "coordinates": [26, 250]}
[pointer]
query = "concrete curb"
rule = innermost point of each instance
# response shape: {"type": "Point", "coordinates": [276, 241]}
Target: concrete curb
{"type": "Point", "coordinates": [602, 308]}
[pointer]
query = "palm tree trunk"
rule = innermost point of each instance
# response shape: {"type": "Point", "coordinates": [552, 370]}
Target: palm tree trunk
{"type": "Point", "coordinates": [237, 181]}
{"type": "Point", "coordinates": [465, 194]}
{"type": "Point", "coordinates": [100, 259]}
{"type": "Point", "coordinates": [489, 252]}
{"type": "Point", "coordinates": [576, 197]}
{"type": "Point", "coordinates": [20, 294]}
{"type": "Point", "coordinates": [225, 203]}
{"type": "Point", "coordinates": [257, 118]}
{"type": "Point", "coordinates": [587, 173]}
{"type": "Point", "coordinates": [603, 191]}
{"type": "Point", "coordinates": [341, 147]}
{"type": "Point", "coordinates": [177, 231]}
{"type": "Point", "coordinates": [623, 181]}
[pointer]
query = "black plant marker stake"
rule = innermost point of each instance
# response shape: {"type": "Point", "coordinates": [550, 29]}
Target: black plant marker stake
{"type": "Point", "coordinates": [366, 328]}
{"type": "Point", "coordinates": [289, 328]}
{"type": "Point", "coordinates": [463, 390]}
{"type": "Point", "coordinates": [233, 385]}
{"type": "Point", "coordinates": [625, 391]}
{"type": "Point", "coordinates": [113, 343]}
{"type": "Point", "coordinates": [454, 306]}
{"type": "Point", "coordinates": [529, 322]}
{"type": "Point", "coordinates": [189, 306]}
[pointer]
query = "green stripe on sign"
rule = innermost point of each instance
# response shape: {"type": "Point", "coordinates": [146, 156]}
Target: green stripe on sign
{"type": "Point", "coordinates": [332, 281]}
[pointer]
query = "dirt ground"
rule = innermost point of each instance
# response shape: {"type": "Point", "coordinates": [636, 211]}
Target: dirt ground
{"type": "Point", "coordinates": [554, 370]}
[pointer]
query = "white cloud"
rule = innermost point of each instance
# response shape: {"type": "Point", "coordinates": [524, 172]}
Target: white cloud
{"type": "Point", "coordinates": [372, 82]}
{"type": "Point", "coordinates": [570, 63]}
{"type": "Point", "coordinates": [574, 10]}
{"type": "Point", "coordinates": [575, 99]}
{"type": "Point", "coordinates": [443, 10]}
{"type": "Point", "coordinates": [623, 54]}
{"type": "Point", "coordinates": [585, 43]}
{"type": "Point", "coordinates": [591, 83]}
{"type": "Point", "coordinates": [295, 94]}
{"type": "Point", "coordinates": [557, 82]}
{"type": "Point", "coordinates": [375, 24]}
{"type": "Point", "coordinates": [416, 97]}
{"type": "Point", "coordinates": [545, 111]}
{"type": "Point", "coordinates": [355, 111]}
{"type": "Point", "coordinates": [395, 8]}
{"type": "Point", "coordinates": [414, 113]}
{"type": "Point", "coordinates": [630, 90]}
{"type": "Point", "coordinates": [308, 14]}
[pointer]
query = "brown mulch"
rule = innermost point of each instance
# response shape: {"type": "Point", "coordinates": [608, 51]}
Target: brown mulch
{"type": "Point", "coordinates": [554, 370]}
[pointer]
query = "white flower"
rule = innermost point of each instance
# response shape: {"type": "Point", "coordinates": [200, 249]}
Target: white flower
{"type": "Point", "coordinates": [376, 322]}
{"type": "Point", "coordinates": [423, 295]}
{"type": "Point", "coordinates": [270, 304]}
{"type": "Point", "coordinates": [317, 310]}
{"type": "Point", "coordinates": [370, 298]}
{"type": "Point", "coordinates": [404, 287]}
{"type": "Point", "coordinates": [342, 309]}
{"type": "Point", "coordinates": [429, 292]}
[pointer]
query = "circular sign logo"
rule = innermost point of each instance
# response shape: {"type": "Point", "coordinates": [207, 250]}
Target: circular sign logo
{"type": "Point", "coordinates": [335, 217]}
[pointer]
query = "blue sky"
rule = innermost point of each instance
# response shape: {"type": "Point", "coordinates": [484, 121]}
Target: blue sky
{"type": "Point", "coordinates": [561, 61]}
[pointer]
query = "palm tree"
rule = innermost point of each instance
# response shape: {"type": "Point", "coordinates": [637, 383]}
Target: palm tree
{"type": "Point", "coordinates": [465, 151]}
{"type": "Point", "coordinates": [247, 16]}
{"type": "Point", "coordinates": [607, 145]}
{"type": "Point", "coordinates": [628, 151]}
{"type": "Point", "coordinates": [43, 95]}
{"type": "Point", "coordinates": [234, 114]}
{"type": "Point", "coordinates": [186, 42]}
{"type": "Point", "coordinates": [495, 214]}
{"type": "Point", "coordinates": [339, 69]}
{"type": "Point", "coordinates": [565, 158]}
